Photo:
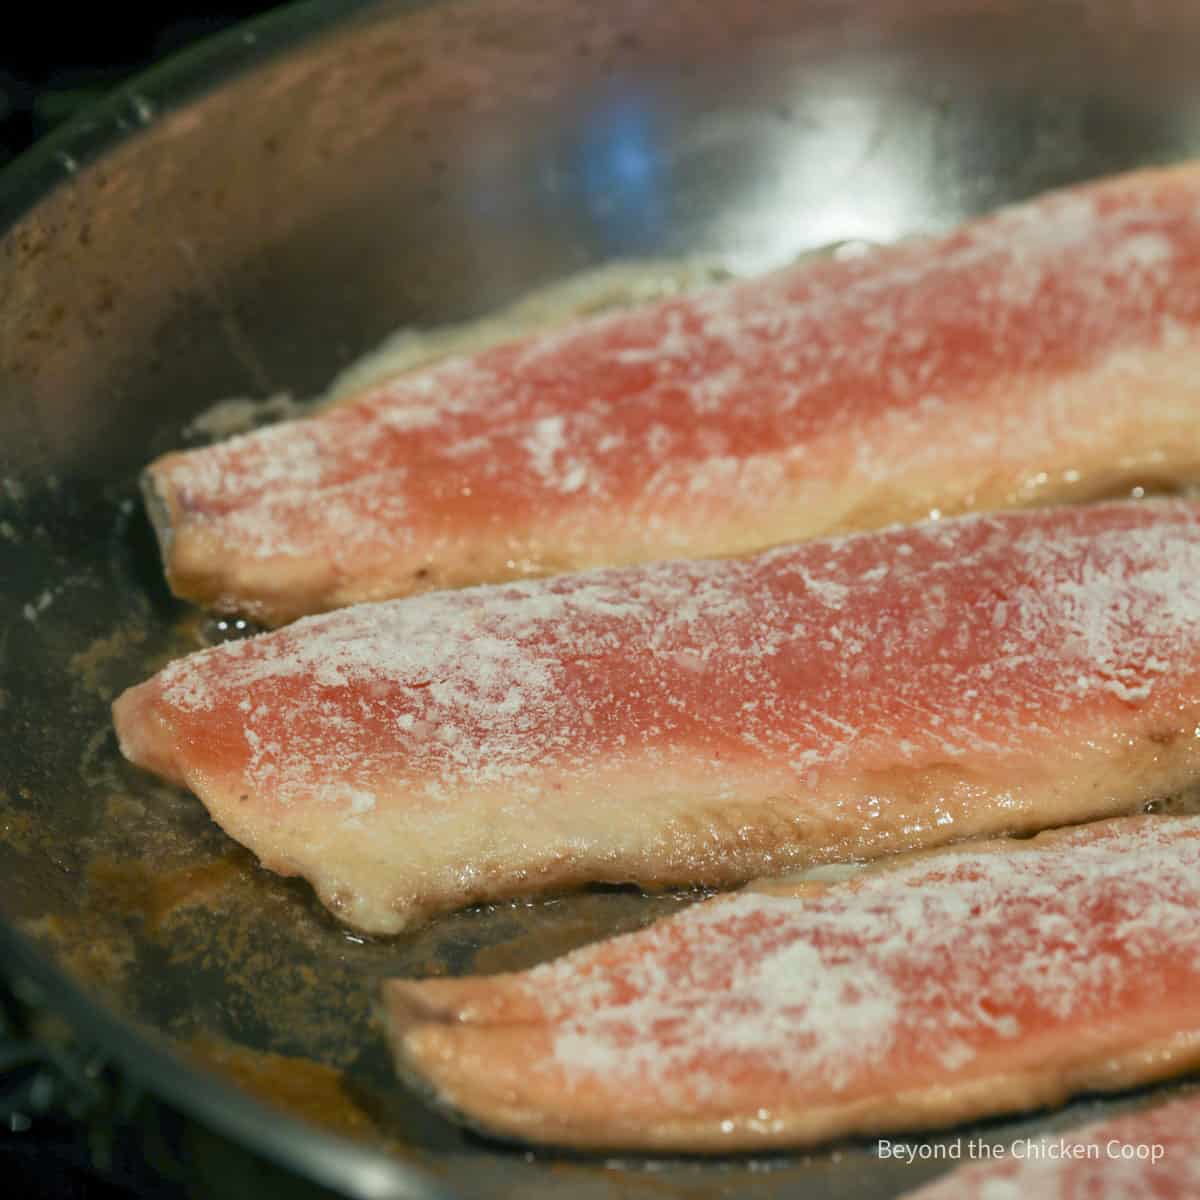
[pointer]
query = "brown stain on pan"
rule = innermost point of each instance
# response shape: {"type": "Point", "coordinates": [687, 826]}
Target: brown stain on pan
{"type": "Point", "coordinates": [307, 1090]}
{"type": "Point", "coordinates": [157, 896]}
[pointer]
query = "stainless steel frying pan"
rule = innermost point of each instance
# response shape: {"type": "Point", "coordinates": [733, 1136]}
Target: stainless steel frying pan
{"type": "Point", "coordinates": [256, 213]}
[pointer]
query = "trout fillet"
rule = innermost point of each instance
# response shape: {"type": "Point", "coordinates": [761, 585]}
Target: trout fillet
{"type": "Point", "coordinates": [984, 979]}
{"type": "Point", "coordinates": [701, 722]}
{"type": "Point", "coordinates": [1050, 352]}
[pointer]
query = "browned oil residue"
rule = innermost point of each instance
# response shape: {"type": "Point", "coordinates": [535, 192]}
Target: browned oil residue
{"type": "Point", "coordinates": [548, 931]}
{"type": "Point", "coordinates": [533, 946]}
{"type": "Point", "coordinates": [133, 887]}
{"type": "Point", "coordinates": [101, 960]}
{"type": "Point", "coordinates": [299, 1087]}
{"type": "Point", "coordinates": [90, 664]}
{"type": "Point", "coordinates": [16, 828]}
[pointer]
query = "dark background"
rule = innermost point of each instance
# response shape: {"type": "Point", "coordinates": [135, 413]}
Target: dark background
{"type": "Point", "coordinates": [57, 57]}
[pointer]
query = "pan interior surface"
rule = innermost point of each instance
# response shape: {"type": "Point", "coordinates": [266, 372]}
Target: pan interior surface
{"type": "Point", "coordinates": [272, 209]}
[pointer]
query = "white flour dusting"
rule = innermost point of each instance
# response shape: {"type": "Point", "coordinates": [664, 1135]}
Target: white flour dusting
{"type": "Point", "coordinates": [937, 962]}
{"type": "Point", "coordinates": [852, 376]}
{"type": "Point", "coordinates": [810, 658]}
